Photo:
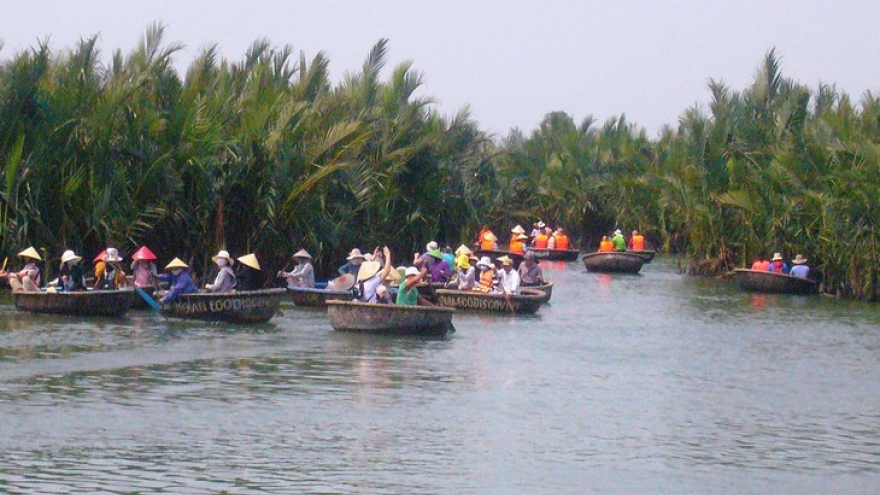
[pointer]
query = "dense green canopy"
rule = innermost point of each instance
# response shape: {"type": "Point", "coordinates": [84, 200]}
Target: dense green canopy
{"type": "Point", "coordinates": [266, 155]}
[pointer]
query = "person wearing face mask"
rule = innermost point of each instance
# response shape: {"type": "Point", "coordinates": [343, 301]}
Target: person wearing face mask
{"type": "Point", "coordinates": [225, 280]}
{"type": "Point", "coordinates": [112, 277]}
{"type": "Point", "coordinates": [353, 264]}
{"type": "Point", "coordinates": [487, 275]}
{"type": "Point", "coordinates": [303, 275]}
{"type": "Point", "coordinates": [70, 277]}
{"type": "Point", "coordinates": [178, 278]}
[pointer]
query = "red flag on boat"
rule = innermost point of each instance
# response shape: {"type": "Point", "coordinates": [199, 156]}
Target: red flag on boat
{"type": "Point", "coordinates": [143, 253]}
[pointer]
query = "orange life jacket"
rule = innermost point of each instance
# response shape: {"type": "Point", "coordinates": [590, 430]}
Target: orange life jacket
{"type": "Point", "coordinates": [487, 245]}
{"type": "Point", "coordinates": [541, 241]}
{"type": "Point", "coordinates": [487, 281]}
{"type": "Point", "coordinates": [561, 241]}
{"type": "Point", "coordinates": [638, 242]}
{"type": "Point", "coordinates": [606, 247]}
{"type": "Point", "coordinates": [517, 247]}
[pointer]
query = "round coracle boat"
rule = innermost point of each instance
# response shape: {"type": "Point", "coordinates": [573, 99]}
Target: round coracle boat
{"type": "Point", "coordinates": [79, 303]}
{"type": "Point", "coordinates": [614, 262]}
{"type": "Point", "coordinates": [771, 282]}
{"type": "Point", "coordinates": [353, 316]}
{"type": "Point", "coordinates": [646, 254]}
{"type": "Point", "coordinates": [528, 301]}
{"type": "Point", "coordinates": [257, 306]}
{"type": "Point", "coordinates": [316, 297]}
{"type": "Point", "coordinates": [555, 254]}
{"type": "Point", "coordinates": [546, 288]}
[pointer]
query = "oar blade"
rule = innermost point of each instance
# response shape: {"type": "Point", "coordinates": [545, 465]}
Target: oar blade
{"type": "Point", "coordinates": [146, 297]}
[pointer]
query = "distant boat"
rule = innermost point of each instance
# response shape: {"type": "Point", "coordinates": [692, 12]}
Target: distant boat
{"type": "Point", "coordinates": [777, 283]}
{"type": "Point", "coordinates": [528, 301]}
{"type": "Point", "coordinates": [256, 306]}
{"type": "Point", "coordinates": [316, 297]}
{"type": "Point", "coordinates": [613, 262]}
{"type": "Point", "coordinates": [555, 254]}
{"type": "Point", "coordinates": [78, 303]}
{"type": "Point", "coordinates": [646, 254]}
{"type": "Point", "coordinates": [352, 316]}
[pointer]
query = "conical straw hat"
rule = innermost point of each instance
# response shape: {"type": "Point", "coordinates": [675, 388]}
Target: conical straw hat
{"type": "Point", "coordinates": [342, 282]}
{"type": "Point", "coordinates": [463, 250]}
{"type": "Point", "coordinates": [143, 253]}
{"type": "Point", "coordinates": [518, 230]}
{"type": "Point", "coordinates": [368, 269]}
{"type": "Point", "coordinates": [30, 253]}
{"type": "Point", "coordinates": [250, 260]}
{"type": "Point", "coordinates": [302, 253]}
{"type": "Point", "coordinates": [176, 263]}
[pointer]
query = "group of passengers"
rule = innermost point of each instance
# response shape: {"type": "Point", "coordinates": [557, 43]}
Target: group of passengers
{"type": "Point", "coordinates": [616, 242]}
{"type": "Point", "coordinates": [777, 264]}
{"type": "Point", "coordinates": [109, 273]}
{"type": "Point", "coordinates": [541, 237]}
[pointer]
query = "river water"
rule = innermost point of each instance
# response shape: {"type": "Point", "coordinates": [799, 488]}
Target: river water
{"type": "Point", "coordinates": [656, 383]}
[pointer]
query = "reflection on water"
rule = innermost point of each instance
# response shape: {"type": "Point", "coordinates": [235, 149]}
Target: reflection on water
{"type": "Point", "coordinates": [648, 383]}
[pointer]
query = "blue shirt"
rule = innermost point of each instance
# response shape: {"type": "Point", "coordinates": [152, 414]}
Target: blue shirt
{"type": "Point", "coordinates": [800, 271]}
{"type": "Point", "coordinates": [773, 266]}
{"type": "Point", "coordinates": [180, 284]}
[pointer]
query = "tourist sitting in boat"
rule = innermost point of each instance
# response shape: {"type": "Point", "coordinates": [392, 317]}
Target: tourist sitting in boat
{"type": "Point", "coordinates": [541, 238]}
{"type": "Point", "coordinates": [800, 268]}
{"type": "Point", "coordinates": [247, 275]}
{"type": "Point", "coordinates": [353, 263]}
{"type": "Point", "coordinates": [225, 280]}
{"type": "Point", "coordinates": [606, 246]}
{"type": "Point", "coordinates": [371, 275]}
{"type": "Point", "coordinates": [538, 229]}
{"type": "Point", "coordinates": [762, 264]}
{"type": "Point", "coordinates": [99, 267]}
{"type": "Point", "coordinates": [421, 260]}
{"type": "Point", "coordinates": [408, 293]}
{"type": "Point", "coordinates": [28, 278]}
{"type": "Point", "coordinates": [70, 276]}
{"type": "Point", "coordinates": [110, 276]}
{"type": "Point", "coordinates": [462, 254]}
{"type": "Point", "coordinates": [178, 279]}
{"type": "Point", "coordinates": [303, 274]}
{"type": "Point", "coordinates": [487, 275]}
{"type": "Point", "coordinates": [508, 278]}
{"type": "Point", "coordinates": [778, 264]}
{"type": "Point", "coordinates": [464, 277]}
{"type": "Point", "coordinates": [636, 242]}
{"type": "Point", "coordinates": [518, 243]}
{"type": "Point", "coordinates": [448, 257]}
{"type": "Point", "coordinates": [618, 241]}
{"type": "Point", "coordinates": [559, 240]}
{"type": "Point", "coordinates": [489, 242]}
{"type": "Point", "coordinates": [515, 240]}
{"type": "Point", "coordinates": [529, 271]}
{"type": "Point", "coordinates": [436, 266]}
{"type": "Point", "coordinates": [143, 267]}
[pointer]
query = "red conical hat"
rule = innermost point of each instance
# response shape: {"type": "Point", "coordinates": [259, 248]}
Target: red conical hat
{"type": "Point", "coordinates": [143, 253]}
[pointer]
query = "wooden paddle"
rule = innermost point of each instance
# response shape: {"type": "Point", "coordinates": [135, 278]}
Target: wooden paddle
{"type": "Point", "coordinates": [6, 260]}
{"type": "Point", "coordinates": [150, 301]}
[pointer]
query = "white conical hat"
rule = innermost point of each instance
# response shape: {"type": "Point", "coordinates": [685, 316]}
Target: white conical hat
{"type": "Point", "coordinates": [250, 260]}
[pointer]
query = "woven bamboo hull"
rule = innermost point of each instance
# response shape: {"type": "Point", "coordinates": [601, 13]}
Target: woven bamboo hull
{"type": "Point", "coordinates": [776, 283]}
{"type": "Point", "coordinates": [82, 303]}
{"type": "Point", "coordinates": [258, 306]}
{"type": "Point", "coordinates": [348, 316]}
{"type": "Point", "coordinates": [556, 254]}
{"type": "Point", "coordinates": [646, 254]}
{"type": "Point", "coordinates": [527, 302]}
{"type": "Point", "coordinates": [545, 288]}
{"type": "Point", "coordinates": [617, 262]}
{"type": "Point", "coordinates": [316, 297]}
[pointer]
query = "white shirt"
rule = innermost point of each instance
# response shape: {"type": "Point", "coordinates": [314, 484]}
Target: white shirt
{"type": "Point", "coordinates": [508, 282]}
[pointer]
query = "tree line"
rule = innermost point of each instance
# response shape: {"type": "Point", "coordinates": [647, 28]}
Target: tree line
{"type": "Point", "coordinates": [267, 155]}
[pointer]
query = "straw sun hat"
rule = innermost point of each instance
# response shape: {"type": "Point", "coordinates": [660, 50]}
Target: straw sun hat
{"type": "Point", "coordinates": [223, 254]}
{"type": "Point", "coordinates": [176, 263]}
{"type": "Point", "coordinates": [250, 260]}
{"type": "Point", "coordinates": [368, 269]}
{"type": "Point", "coordinates": [112, 256]}
{"type": "Point", "coordinates": [30, 253]}
{"type": "Point", "coordinates": [799, 260]}
{"type": "Point", "coordinates": [777, 257]}
{"type": "Point", "coordinates": [355, 253]}
{"type": "Point", "coordinates": [69, 255]}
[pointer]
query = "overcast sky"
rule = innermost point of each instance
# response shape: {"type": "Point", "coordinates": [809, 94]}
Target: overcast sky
{"type": "Point", "coordinates": [510, 61]}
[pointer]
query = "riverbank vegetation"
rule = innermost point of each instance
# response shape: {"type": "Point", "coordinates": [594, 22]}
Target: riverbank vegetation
{"type": "Point", "coordinates": [267, 155]}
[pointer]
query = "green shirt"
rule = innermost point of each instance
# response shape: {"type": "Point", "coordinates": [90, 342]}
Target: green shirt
{"type": "Point", "coordinates": [619, 243]}
{"type": "Point", "coordinates": [408, 297]}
